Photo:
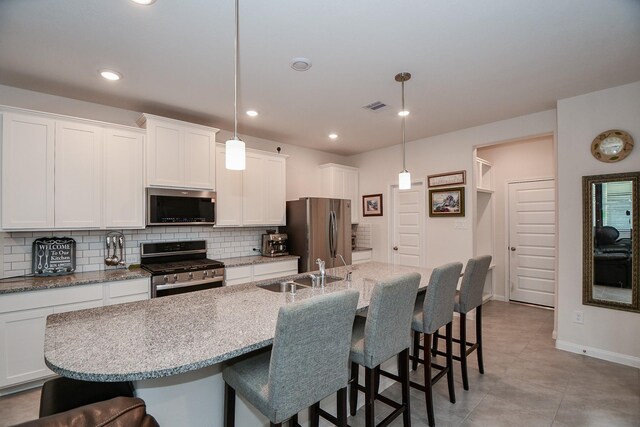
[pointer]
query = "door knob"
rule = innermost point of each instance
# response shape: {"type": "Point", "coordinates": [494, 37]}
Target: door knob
{"type": "Point", "coordinates": [512, 248]}
{"type": "Point", "coordinates": [395, 248]}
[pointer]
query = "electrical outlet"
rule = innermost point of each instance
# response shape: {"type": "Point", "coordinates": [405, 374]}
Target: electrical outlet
{"type": "Point", "coordinates": [578, 317]}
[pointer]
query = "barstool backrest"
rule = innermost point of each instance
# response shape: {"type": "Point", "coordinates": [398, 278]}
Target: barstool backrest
{"type": "Point", "coordinates": [388, 327]}
{"type": "Point", "coordinates": [475, 274]}
{"type": "Point", "coordinates": [310, 355]}
{"type": "Point", "coordinates": [440, 297]}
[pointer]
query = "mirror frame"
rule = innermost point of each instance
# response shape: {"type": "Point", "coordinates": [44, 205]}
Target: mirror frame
{"type": "Point", "coordinates": [588, 242]}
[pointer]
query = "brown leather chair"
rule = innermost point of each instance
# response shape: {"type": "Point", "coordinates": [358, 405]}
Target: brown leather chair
{"type": "Point", "coordinates": [116, 412]}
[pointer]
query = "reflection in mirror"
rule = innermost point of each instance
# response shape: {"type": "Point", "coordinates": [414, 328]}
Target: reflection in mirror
{"type": "Point", "coordinates": [611, 241]}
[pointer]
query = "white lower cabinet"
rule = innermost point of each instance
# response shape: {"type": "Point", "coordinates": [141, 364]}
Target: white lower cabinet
{"type": "Point", "coordinates": [360, 257]}
{"type": "Point", "coordinates": [263, 271]}
{"type": "Point", "coordinates": [23, 318]}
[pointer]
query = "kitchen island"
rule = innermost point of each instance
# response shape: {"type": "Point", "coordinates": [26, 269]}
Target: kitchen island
{"type": "Point", "coordinates": [173, 347]}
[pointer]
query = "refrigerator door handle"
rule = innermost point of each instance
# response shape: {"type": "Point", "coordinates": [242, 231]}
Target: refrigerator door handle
{"type": "Point", "coordinates": [333, 233]}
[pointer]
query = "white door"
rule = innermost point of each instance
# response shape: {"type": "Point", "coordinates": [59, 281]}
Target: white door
{"type": "Point", "coordinates": [253, 190]}
{"type": "Point", "coordinates": [165, 157]}
{"type": "Point", "coordinates": [199, 149]}
{"type": "Point", "coordinates": [532, 241]}
{"type": "Point", "coordinates": [276, 183]}
{"type": "Point", "coordinates": [408, 226]}
{"type": "Point", "coordinates": [228, 192]}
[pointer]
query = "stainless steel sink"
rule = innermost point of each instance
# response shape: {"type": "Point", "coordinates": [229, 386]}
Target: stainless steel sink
{"type": "Point", "coordinates": [282, 286]}
{"type": "Point", "coordinates": [308, 281]}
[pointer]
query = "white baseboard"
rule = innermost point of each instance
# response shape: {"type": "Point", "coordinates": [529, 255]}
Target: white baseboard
{"type": "Point", "coordinates": [499, 298]}
{"type": "Point", "coordinates": [554, 334]}
{"type": "Point", "coordinates": [622, 359]}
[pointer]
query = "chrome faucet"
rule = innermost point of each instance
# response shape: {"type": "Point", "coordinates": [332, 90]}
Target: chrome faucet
{"type": "Point", "coordinates": [321, 267]}
{"type": "Point", "coordinates": [343, 261]}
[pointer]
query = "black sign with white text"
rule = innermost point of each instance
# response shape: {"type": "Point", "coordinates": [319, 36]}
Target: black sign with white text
{"type": "Point", "coordinates": [53, 256]}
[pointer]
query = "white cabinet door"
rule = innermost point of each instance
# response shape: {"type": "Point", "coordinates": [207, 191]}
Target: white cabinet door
{"type": "Point", "coordinates": [78, 175]}
{"type": "Point", "coordinates": [27, 172]}
{"type": "Point", "coordinates": [228, 192]}
{"type": "Point", "coordinates": [238, 275]}
{"type": "Point", "coordinates": [200, 153]}
{"type": "Point", "coordinates": [124, 179]}
{"type": "Point", "coordinates": [127, 291]}
{"type": "Point", "coordinates": [22, 346]}
{"type": "Point", "coordinates": [165, 154]}
{"type": "Point", "coordinates": [276, 191]}
{"type": "Point", "coordinates": [350, 189]}
{"type": "Point", "coordinates": [254, 190]}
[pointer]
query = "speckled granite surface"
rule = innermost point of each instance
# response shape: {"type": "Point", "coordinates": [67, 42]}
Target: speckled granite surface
{"type": "Point", "coordinates": [258, 259]}
{"type": "Point", "coordinates": [180, 333]}
{"type": "Point", "coordinates": [35, 283]}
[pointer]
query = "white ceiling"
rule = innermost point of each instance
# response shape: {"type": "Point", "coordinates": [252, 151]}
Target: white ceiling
{"type": "Point", "coordinates": [472, 62]}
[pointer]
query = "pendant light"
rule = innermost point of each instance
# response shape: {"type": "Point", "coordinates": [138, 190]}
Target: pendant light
{"type": "Point", "coordinates": [404, 177]}
{"type": "Point", "coordinates": [234, 148]}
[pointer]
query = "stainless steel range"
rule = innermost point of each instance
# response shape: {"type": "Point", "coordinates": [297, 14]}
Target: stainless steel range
{"type": "Point", "coordinates": [180, 267]}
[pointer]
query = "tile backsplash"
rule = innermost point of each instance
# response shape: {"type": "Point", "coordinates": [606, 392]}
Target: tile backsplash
{"type": "Point", "coordinates": [363, 236]}
{"type": "Point", "coordinates": [90, 245]}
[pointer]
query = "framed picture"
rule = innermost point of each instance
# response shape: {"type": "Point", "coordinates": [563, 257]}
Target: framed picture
{"type": "Point", "coordinates": [446, 202]}
{"type": "Point", "coordinates": [449, 178]}
{"type": "Point", "coordinates": [372, 205]}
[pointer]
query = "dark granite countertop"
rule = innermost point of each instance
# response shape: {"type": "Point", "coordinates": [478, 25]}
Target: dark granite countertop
{"type": "Point", "coordinates": [28, 284]}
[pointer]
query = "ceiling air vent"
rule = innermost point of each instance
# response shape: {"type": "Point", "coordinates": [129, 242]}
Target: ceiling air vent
{"type": "Point", "coordinates": [375, 106]}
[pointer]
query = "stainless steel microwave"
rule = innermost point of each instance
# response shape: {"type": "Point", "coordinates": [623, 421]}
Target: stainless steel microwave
{"type": "Point", "coordinates": [180, 207]}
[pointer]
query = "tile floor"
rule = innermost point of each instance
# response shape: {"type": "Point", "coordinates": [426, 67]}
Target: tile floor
{"type": "Point", "coordinates": [527, 382]}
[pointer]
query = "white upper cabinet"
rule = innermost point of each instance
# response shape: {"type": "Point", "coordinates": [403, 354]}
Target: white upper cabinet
{"type": "Point", "coordinates": [255, 196]}
{"type": "Point", "coordinates": [63, 173]}
{"type": "Point", "coordinates": [27, 172]}
{"type": "Point", "coordinates": [179, 154]}
{"type": "Point", "coordinates": [78, 175]}
{"type": "Point", "coordinates": [228, 194]}
{"type": "Point", "coordinates": [124, 179]}
{"type": "Point", "coordinates": [341, 182]}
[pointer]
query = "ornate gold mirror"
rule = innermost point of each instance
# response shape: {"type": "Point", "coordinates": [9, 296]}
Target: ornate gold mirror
{"type": "Point", "coordinates": [610, 241]}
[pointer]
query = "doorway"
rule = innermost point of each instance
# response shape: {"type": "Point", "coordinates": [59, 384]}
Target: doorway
{"type": "Point", "coordinates": [532, 241]}
{"type": "Point", "coordinates": [407, 225]}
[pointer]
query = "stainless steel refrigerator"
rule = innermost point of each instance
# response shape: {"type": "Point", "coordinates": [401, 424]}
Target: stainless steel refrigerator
{"type": "Point", "coordinates": [319, 228]}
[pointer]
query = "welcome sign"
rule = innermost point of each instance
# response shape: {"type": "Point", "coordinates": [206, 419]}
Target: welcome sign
{"type": "Point", "coordinates": [53, 256]}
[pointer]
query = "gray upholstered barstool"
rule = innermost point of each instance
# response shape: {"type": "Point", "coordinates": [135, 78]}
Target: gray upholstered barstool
{"type": "Point", "coordinates": [433, 310]}
{"type": "Point", "coordinates": [468, 298]}
{"type": "Point", "coordinates": [308, 362]}
{"type": "Point", "coordinates": [384, 333]}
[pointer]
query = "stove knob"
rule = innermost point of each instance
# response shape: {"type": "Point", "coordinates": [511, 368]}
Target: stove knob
{"type": "Point", "coordinates": [205, 273]}
{"type": "Point", "coordinates": [165, 278]}
{"type": "Point", "coordinates": [175, 278]}
{"type": "Point", "coordinates": [190, 275]}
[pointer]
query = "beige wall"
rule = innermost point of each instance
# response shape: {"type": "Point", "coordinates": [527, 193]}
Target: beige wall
{"type": "Point", "coordinates": [446, 239]}
{"type": "Point", "coordinates": [606, 333]}
{"type": "Point", "coordinates": [530, 158]}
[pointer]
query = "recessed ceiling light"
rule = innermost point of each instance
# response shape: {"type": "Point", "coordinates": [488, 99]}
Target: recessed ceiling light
{"type": "Point", "coordinates": [110, 75]}
{"type": "Point", "coordinates": [144, 2]}
{"type": "Point", "coordinates": [403, 113]}
{"type": "Point", "coordinates": [333, 135]}
{"type": "Point", "coordinates": [252, 113]}
{"type": "Point", "coordinates": [300, 64]}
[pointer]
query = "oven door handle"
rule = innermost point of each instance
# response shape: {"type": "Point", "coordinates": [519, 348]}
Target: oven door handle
{"type": "Point", "coordinates": [189, 283]}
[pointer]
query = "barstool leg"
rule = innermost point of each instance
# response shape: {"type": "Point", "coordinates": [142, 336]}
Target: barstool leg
{"type": "Point", "coordinates": [353, 390]}
{"type": "Point", "coordinates": [449, 340]}
{"type": "Point", "coordinates": [428, 397]}
{"type": "Point", "coordinates": [229, 406]}
{"type": "Point", "coordinates": [403, 373]}
{"type": "Point", "coordinates": [416, 350]}
{"type": "Point", "coordinates": [342, 407]}
{"type": "Point", "coordinates": [434, 347]}
{"type": "Point", "coordinates": [369, 397]}
{"type": "Point", "coordinates": [463, 350]}
{"type": "Point", "coordinates": [479, 337]}
{"type": "Point", "coordinates": [293, 421]}
{"type": "Point", "coordinates": [314, 415]}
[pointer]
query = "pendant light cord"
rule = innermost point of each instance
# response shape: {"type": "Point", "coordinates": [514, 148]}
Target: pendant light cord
{"type": "Point", "coordinates": [404, 155]}
{"type": "Point", "coordinates": [235, 78]}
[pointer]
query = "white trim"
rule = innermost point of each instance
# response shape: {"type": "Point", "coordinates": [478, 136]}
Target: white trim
{"type": "Point", "coordinates": [423, 222]}
{"type": "Point", "coordinates": [597, 353]}
{"type": "Point", "coordinates": [498, 298]}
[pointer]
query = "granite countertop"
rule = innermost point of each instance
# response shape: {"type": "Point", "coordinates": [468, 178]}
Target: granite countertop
{"type": "Point", "coordinates": [255, 259]}
{"type": "Point", "coordinates": [27, 284]}
{"type": "Point", "coordinates": [361, 249]}
{"type": "Point", "coordinates": [180, 333]}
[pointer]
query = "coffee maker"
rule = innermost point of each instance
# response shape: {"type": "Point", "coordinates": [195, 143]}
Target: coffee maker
{"type": "Point", "coordinates": [274, 244]}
